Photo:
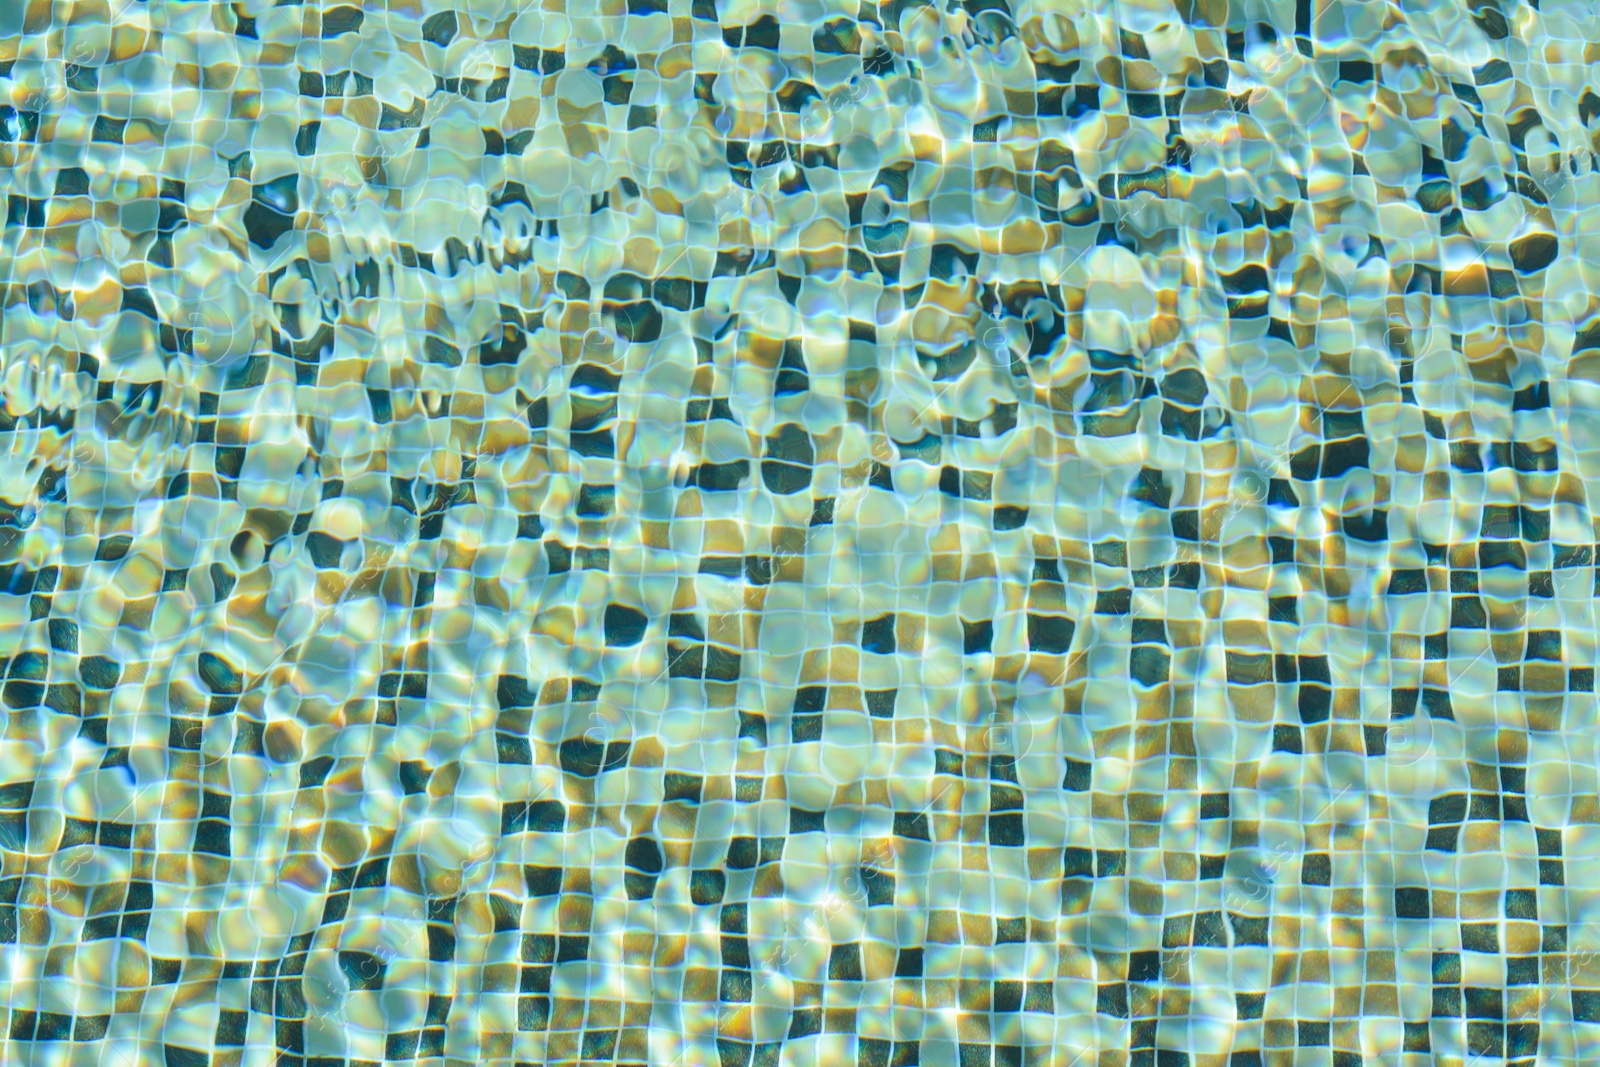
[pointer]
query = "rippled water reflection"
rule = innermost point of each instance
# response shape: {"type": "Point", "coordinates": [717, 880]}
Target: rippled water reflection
{"type": "Point", "coordinates": [729, 533]}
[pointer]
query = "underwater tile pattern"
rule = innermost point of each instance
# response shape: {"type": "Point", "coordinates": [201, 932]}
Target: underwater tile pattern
{"type": "Point", "coordinates": [741, 533]}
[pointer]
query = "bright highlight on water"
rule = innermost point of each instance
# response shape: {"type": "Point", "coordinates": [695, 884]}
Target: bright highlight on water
{"type": "Point", "coordinates": [737, 533]}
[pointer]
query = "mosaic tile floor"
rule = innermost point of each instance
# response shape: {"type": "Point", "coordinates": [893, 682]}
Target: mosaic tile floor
{"type": "Point", "coordinates": [736, 533]}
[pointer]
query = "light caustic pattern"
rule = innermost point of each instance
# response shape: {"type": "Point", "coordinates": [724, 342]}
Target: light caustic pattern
{"type": "Point", "coordinates": [755, 532]}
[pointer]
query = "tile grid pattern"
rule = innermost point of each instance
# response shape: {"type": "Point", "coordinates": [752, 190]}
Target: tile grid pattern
{"type": "Point", "coordinates": [1002, 589]}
